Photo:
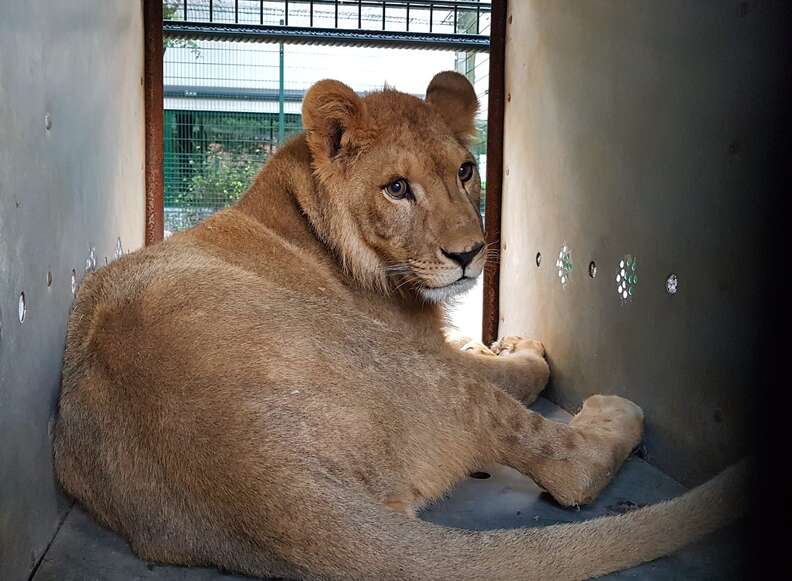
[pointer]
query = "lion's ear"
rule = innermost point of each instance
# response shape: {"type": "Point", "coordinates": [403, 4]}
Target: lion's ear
{"type": "Point", "coordinates": [452, 96]}
{"type": "Point", "coordinates": [334, 118]}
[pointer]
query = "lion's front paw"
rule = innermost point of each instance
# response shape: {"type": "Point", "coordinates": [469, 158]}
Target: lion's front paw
{"type": "Point", "coordinates": [616, 418]}
{"type": "Point", "coordinates": [477, 348]}
{"type": "Point", "coordinates": [512, 344]}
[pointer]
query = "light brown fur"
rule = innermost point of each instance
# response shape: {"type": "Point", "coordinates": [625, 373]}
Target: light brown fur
{"type": "Point", "coordinates": [271, 391]}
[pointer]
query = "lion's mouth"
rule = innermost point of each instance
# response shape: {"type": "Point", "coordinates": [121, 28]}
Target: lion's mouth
{"type": "Point", "coordinates": [443, 293]}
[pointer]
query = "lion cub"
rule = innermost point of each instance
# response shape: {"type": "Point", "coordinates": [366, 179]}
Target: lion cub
{"type": "Point", "coordinates": [271, 393]}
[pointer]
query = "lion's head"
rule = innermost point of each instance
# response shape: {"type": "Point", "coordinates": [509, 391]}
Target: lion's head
{"type": "Point", "coordinates": [398, 191]}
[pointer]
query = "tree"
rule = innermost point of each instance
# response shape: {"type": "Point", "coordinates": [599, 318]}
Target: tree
{"type": "Point", "coordinates": [170, 11]}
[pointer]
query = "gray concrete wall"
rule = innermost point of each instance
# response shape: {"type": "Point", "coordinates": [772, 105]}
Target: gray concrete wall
{"type": "Point", "coordinates": [71, 179]}
{"type": "Point", "coordinates": [646, 128]}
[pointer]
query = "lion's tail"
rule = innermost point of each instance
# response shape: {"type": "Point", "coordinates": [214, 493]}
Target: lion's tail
{"type": "Point", "coordinates": [361, 540]}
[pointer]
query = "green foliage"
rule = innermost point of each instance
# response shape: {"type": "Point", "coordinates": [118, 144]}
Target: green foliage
{"type": "Point", "coordinates": [171, 11]}
{"type": "Point", "coordinates": [220, 178]}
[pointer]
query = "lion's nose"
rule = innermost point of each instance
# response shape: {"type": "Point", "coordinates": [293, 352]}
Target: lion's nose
{"type": "Point", "coordinates": [464, 258]}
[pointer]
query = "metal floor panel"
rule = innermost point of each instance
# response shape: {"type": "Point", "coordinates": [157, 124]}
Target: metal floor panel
{"type": "Point", "coordinates": [83, 551]}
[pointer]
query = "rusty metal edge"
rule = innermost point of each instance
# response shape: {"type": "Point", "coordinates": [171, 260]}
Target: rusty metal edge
{"type": "Point", "coordinates": [492, 212]}
{"type": "Point", "coordinates": [153, 97]}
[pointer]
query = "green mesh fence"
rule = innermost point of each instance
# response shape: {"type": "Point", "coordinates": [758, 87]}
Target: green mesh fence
{"type": "Point", "coordinates": [228, 104]}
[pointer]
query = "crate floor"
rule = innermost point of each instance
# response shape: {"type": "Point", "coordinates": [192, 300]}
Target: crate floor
{"type": "Point", "coordinates": [84, 551]}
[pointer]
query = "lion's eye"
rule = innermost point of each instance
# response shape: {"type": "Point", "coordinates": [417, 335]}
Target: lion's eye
{"type": "Point", "coordinates": [465, 171]}
{"type": "Point", "coordinates": [398, 189]}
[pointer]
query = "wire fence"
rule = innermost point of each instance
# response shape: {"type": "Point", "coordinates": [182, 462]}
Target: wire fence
{"type": "Point", "coordinates": [229, 105]}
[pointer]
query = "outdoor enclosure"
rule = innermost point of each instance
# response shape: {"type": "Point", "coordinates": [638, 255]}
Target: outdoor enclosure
{"type": "Point", "coordinates": [633, 155]}
{"type": "Point", "coordinates": [232, 97]}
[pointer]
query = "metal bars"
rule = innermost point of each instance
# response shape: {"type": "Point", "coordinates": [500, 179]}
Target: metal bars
{"type": "Point", "coordinates": [416, 23]}
{"type": "Point", "coordinates": [326, 36]}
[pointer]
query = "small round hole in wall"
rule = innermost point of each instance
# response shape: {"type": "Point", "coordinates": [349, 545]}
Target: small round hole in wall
{"type": "Point", "coordinates": [119, 249]}
{"type": "Point", "coordinates": [538, 259]}
{"type": "Point", "coordinates": [22, 308]}
{"type": "Point", "coordinates": [480, 475]}
{"type": "Point", "coordinates": [672, 284]}
{"type": "Point", "coordinates": [593, 269]}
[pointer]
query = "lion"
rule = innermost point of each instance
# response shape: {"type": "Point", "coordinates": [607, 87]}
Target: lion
{"type": "Point", "coordinates": [271, 392]}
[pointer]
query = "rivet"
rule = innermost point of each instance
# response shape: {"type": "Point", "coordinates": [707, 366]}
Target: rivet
{"type": "Point", "coordinates": [47, 121]}
{"type": "Point", "coordinates": [672, 284]}
{"type": "Point", "coordinates": [593, 269]}
{"type": "Point", "coordinates": [508, 97]}
{"type": "Point", "coordinates": [538, 259]}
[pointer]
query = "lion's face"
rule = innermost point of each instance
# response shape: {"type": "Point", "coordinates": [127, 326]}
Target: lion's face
{"type": "Point", "coordinates": [400, 199]}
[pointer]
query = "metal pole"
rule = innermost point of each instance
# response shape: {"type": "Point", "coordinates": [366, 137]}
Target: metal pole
{"type": "Point", "coordinates": [281, 115]}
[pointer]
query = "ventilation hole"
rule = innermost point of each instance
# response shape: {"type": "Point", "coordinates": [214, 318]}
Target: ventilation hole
{"type": "Point", "coordinates": [627, 277]}
{"type": "Point", "coordinates": [672, 284]}
{"type": "Point", "coordinates": [480, 475]}
{"type": "Point", "coordinates": [22, 308]}
{"type": "Point", "coordinates": [564, 264]}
